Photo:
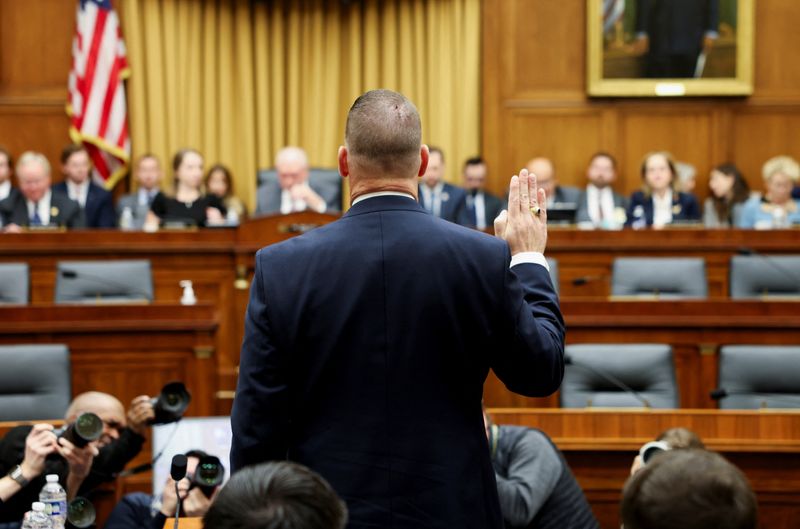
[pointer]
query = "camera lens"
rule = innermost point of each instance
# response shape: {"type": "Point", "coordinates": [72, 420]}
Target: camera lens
{"type": "Point", "coordinates": [81, 513]}
{"type": "Point", "coordinates": [209, 472]}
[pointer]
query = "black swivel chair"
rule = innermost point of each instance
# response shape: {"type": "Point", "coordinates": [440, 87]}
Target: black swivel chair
{"type": "Point", "coordinates": [14, 283]}
{"type": "Point", "coordinates": [35, 382]}
{"type": "Point", "coordinates": [760, 376]}
{"type": "Point", "coordinates": [594, 372]}
{"type": "Point", "coordinates": [758, 276]}
{"type": "Point", "coordinates": [662, 277]}
{"type": "Point", "coordinates": [104, 282]}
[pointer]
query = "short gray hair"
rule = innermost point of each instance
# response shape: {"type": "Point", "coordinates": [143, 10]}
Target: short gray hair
{"type": "Point", "coordinates": [30, 157]}
{"type": "Point", "coordinates": [291, 153]}
{"type": "Point", "coordinates": [384, 132]}
{"type": "Point", "coordinates": [781, 164]}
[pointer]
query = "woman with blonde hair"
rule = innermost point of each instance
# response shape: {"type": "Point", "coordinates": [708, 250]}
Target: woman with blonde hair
{"type": "Point", "coordinates": [777, 208]}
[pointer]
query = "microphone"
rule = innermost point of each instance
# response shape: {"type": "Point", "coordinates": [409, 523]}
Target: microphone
{"type": "Point", "coordinates": [68, 273]}
{"type": "Point", "coordinates": [721, 393]}
{"type": "Point", "coordinates": [610, 378]}
{"type": "Point", "coordinates": [771, 261]}
{"type": "Point", "coordinates": [178, 471]}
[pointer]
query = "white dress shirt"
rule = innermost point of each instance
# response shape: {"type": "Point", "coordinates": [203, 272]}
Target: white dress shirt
{"type": "Point", "coordinates": [5, 189]}
{"type": "Point", "coordinates": [662, 209]}
{"type": "Point", "coordinates": [43, 207]}
{"type": "Point", "coordinates": [78, 192]}
{"type": "Point", "coordinates": [292, 206]}
{"type": "Point", "coordinates": [433, 198]}
{"type": "Point", "coordinates": [598, 200]}
{"type": "Point", "coordinates": [145, 197]}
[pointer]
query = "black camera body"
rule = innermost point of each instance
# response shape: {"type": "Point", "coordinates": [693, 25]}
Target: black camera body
{"type": "Point", "coordinates": [171, 403]}
{"type": "Point", "coordinates": [87, 427]}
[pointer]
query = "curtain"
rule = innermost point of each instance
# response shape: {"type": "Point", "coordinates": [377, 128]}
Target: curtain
{"type": "Point", "coordinates": [239, 79]}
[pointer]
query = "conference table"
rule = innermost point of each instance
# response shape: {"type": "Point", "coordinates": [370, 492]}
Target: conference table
{"type": "Point", "coordinates": [133, 349]}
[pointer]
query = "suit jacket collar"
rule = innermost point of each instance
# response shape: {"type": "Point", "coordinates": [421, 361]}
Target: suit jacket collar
{"type": "Point", "coordinates": [385, 203]}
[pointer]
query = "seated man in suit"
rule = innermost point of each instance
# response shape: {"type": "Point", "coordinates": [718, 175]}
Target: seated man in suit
{"type": "Point", "coordinates": [557, 196]}
{"type": "Point", "coordinates": [599, 204]}
{"type": "Point", "coordinates": [35, 204]}
{"type": "Point", "coordinates": [6, 164]}
{"type": "Point", "coordinates": [441, 199]}
{"type": "Point", "coordinates": [147, 171]}
{"type": "Point", "coordinates": [292, 192]}
{"type": "Point", "coordinates": [95, 202]}
{"type": "Point", "coordinates": [480, 207]}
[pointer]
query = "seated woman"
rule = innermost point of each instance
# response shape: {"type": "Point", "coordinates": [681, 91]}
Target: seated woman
{"type": "Point", "coordinates": [729, 192]}
{"type": "Point", "coordinates": [776, 209]}
{"type": "Point", "coordinates": [189, 205]}
{"type": "Point", "coordinates": [658, 203]}
{"type": "Point", "coordinates": [219, 183]}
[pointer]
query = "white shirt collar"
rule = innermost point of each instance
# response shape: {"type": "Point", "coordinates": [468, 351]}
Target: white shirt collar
{"type": "Point", "coordinates": [382, 194]}
{"type": "Point", "coordinates": [5, 189]}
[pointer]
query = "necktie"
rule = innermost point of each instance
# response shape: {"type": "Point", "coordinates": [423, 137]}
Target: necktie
{"type": "Point", "coordinates": [36, 220]}
{"type": "Point", "coordinates": [600, 216]}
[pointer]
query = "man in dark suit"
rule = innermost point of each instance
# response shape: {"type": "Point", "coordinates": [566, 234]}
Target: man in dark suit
{"type": "Point", "coordinates": [599, 204]}
{"type": "Point", "coordinates": [95, 202]}
{"type": "Point", "coordinates": [36, 205]}
{"type": "Point", "coordinates": [6, 170]}
{"type": "Point", "coordinates": [558, 197]}
{"type": "Point", "coordinates": [147, 172]}
{"type": "Point", "coordinates": [439, 198]}
{"type": "Point", "coordinates": [292, 191]}
{"type": "Point", "coordinates": [480, 207]}
{"type": "Point", "coordinates": [368, 340]}
{"type": "Point", "coordinates": [673, 33]}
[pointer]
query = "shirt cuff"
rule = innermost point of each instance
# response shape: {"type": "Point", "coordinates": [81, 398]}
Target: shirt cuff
{"type": "Point", "coordinates": [529, 258]}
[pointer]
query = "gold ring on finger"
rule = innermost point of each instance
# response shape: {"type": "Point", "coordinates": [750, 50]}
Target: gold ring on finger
{"type": "Point", "coordinates": [535, 210]}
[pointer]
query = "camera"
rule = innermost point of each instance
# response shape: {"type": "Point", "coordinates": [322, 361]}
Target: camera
{"type": "Point", "coordinates": [81, 513]}
{"type": "Point", "coordinates": [209, 474]}
{"type": "Point", "coordinates": [651, 449]}
{"type": "Point", "coordinates": [171, 403]}
{"type": "Point", "coordinates": [87, 427]}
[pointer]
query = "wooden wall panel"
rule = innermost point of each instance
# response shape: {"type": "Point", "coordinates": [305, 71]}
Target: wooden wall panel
{"type": "Point", "coordinates": [534, 78]}
{"type": "Point", "coordinates": [35, 57]}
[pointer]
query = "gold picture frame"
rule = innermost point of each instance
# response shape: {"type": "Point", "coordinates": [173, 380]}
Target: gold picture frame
{"type": "Point", "coordinates": [613, 58]}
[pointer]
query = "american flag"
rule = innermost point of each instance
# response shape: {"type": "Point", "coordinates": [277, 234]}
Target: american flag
{"type": "Point", "coordinates": [97, 106]}
{"type": "Point", "coordinates": [612, 12]}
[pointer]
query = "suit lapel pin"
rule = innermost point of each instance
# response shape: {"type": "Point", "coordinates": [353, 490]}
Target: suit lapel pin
{"type": "Point", "coordinates": [676, 209]}
{"type": "Point", "coordinates": [54, 211]}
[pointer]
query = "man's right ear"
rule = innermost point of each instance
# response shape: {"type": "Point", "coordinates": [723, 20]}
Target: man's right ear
{"type": "Point", "coordinates": [344, 164]}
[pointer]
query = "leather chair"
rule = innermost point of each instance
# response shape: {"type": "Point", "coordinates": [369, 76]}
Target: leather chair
{"type": "Point", "coordinates": [14, 283]}
{"type": "Point", "coordinates": [36, 382]}
{"type": "Point", "coordinates": [553, 264]}
{"type": "Point", "coordinates": [104, 282]}
{"type": "Point", "coordinates": [757, 276]}
{"type": "Point", "coordinates": [662, 277]}
{"type": "Point", "coordinates": [594, 372]}
{"type": "Point", "coordinates": [760, 376]}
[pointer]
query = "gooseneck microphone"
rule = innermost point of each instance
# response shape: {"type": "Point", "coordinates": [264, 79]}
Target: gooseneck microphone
{"type": "Point", "coordinates": [610, 378]}
{"type": "Point", "coordinates": [177, 472]}
{"type": "Point", "coordinates": [721, 393]}
{"type": "Point", "coordinates": [68, 273]}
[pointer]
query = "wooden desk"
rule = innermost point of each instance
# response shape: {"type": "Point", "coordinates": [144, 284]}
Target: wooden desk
{"type": "Point", "coordinates": [184, 523]}
{"type": "Point", "coordinates": [694, 329]}
{"type": "Point", "coordinates": [600, 447]}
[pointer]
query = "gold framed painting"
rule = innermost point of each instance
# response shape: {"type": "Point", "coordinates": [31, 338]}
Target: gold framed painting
{"type": "Point", "coordinates": [652, 48]}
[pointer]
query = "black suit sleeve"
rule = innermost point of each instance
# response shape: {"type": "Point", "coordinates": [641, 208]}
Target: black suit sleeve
{"type": "Point", "coordinates": [112, 459]}
{"type": "Point", "coordinates": [530, 356]}
{"type": "Point", "coordinates": [106, 218]}
{"type": "Point", "coordinates": [259, 419]}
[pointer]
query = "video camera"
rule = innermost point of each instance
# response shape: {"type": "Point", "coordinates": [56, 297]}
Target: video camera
{"type": "Point", "coordinates": [87, 427]}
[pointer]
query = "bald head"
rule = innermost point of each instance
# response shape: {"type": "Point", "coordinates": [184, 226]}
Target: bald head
{"type": "Point", "coordinates": [383, 135]}
{"type": "Point", "coordinates": [105, 406]}
{"type": "Point", "coordinates": [545, 173]}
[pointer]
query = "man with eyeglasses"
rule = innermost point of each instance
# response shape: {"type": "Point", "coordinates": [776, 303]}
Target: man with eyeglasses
{"type": "Point", "coordinates": [79, 470]}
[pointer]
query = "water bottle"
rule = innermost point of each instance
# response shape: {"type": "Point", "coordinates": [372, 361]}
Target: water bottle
{"type": "Point", "coordinates": [37, 518]}
{"type": "Point", "coordinates": [126, 219]}
{"type": "Point", "coordinates": [54, 498]}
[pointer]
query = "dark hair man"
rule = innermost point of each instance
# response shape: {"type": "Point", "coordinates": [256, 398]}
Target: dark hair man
{"type": "Point", "coordinates": [480, 207]}
{"type": "Point", "coordinates": [368, 340]}
{"type": "Point", "coordinates": [96, 203]}
{"type": "Point", "coordinates": [599, 204]}
{"type": "Point", "coordinates": [439, 198]}
{"type": "Point", "coordinates": [689, 489]}
{"type": "Point", "coordinates": [276, 495]}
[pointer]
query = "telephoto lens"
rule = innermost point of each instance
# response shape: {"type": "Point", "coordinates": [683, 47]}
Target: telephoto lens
{"type": "Point", "coordinates": [209, 474]}
{"type": "Point", "coordinates": [81, 513]}
{"type": "Point", "coordinates": [171, 403]}
{"type": "Point", "coordinates": [87, 427]}
{"type": "Point", "coordinates": [651, 449]}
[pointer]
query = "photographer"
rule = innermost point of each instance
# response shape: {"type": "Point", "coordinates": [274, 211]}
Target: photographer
{"type": "Point", "coordinates": [38, 452]}
{"type": "Point", "coordinates": [142, 511]}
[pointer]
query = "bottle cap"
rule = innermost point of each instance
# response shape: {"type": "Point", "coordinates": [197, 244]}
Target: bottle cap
{"type": "Point", "coordinates": [52, 478]}
{"type": "Point", "coordinates": [37, 506]}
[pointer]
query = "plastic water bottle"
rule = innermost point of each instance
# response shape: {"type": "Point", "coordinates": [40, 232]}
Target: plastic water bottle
{"type": "Point", "coordinates": [126, 219]}
{"type": "Point", "coordinates": [54, 498]}
{"type": "Point", "coordinates": [37, 518]}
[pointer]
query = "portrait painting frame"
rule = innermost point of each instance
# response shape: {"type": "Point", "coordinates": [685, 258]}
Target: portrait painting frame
{"type": "Point", "coordinates": [604, 79]}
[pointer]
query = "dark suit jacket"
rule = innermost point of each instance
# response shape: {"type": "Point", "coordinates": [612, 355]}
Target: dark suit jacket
{"type": "Point", "coordinates": [14, 210]}
{"type": "Point", "coordinates": [796, 192]}
{"type": "Point", "coordinates": [453, 198]}
{"type": "Point", "coordinates": [676, 27]}
{"type": "Point", "coordinates": [367, 342]}
{"type": "Point", "coordinates": [684, 208]}
{"type": "Point", "coordinates": [268, 197]}
{"type": "Point", "coordinates": [582, 215]}
{"type": "Point", "coordinates": [99, 209]}
{"type": "Point", "coordinates": [492, 207]}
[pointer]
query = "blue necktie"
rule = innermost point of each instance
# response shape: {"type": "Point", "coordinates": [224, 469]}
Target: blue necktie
{"type": "Point", "coordinates": [36, 220]}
